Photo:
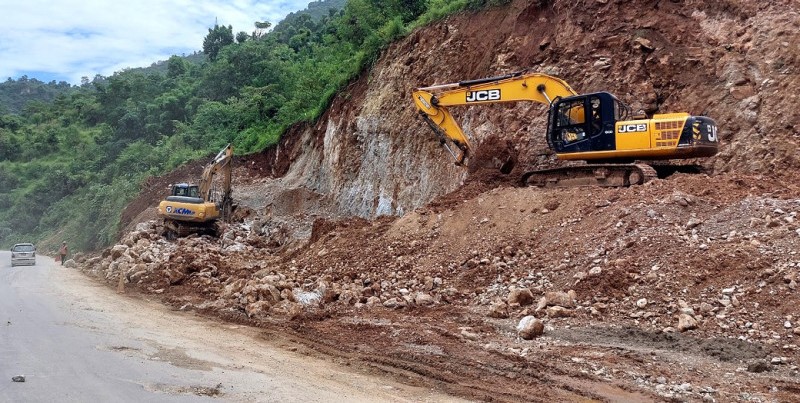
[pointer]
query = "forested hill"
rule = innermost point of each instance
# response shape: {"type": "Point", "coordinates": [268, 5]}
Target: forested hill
{"type": "Point", "coordinates": [68, 167]}
{"type": "Point", "coordinates": [15, 94]}
{"type": "Point", "coordinates": [316, 10]}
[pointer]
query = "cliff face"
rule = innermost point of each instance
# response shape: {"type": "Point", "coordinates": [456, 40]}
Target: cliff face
{"type": "Point", "coordinates": [735, 61]}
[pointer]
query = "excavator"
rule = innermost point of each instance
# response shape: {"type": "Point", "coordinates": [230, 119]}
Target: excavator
{"type": "Point", "coordinates": [596, 128]}
{"type": "Point", "coordinates": [197, 208]}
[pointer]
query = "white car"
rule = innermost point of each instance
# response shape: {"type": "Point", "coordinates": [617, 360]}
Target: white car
{"type": "Point", "coordinates": [23, 253]}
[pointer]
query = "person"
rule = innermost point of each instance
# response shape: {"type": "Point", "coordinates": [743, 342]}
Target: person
{"type": "Point", "coordinates": [63, 252]}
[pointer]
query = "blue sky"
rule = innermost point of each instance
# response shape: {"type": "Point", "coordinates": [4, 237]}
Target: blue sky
{"type": "Point", "coordinates": [65, 40]}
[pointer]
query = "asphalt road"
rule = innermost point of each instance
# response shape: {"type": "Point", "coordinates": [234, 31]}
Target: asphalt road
{"type": "Point", "coordinates": [78, 341]}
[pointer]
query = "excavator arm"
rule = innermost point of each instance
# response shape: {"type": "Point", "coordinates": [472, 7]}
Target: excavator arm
{"type": "Point", "coordinates": [220, 163]}
{"type": "Point", "coordinates": [432, 102]}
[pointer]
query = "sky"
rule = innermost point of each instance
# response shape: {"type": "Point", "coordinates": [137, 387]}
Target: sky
{"type": "Point", "coordinates": [64, 40]}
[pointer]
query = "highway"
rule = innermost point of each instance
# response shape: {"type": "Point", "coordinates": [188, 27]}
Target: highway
{"type": "Point", "coordinates": [76, 340]}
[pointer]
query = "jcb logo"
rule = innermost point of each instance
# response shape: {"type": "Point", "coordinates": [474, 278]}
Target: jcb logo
{"type": "Point", "coordinates": [641, 127]}
{"type": "Point", "coordinates": [483, 95]}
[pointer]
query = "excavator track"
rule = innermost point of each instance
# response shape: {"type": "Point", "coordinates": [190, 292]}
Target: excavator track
{"type": "Point", "coordinates": [176, 229]}
{"type": "Point", "coordinates": [605, 175]}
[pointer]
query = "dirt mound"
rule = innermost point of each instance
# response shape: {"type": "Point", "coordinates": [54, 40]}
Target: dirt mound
{"type": "Point", "coordinates": [675, 271]}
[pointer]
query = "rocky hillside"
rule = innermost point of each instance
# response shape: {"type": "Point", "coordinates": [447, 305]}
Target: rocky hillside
{"type": "Point", "coordinates": [731, 60]}
{"type": "Point", "coordinates": [359, 239]}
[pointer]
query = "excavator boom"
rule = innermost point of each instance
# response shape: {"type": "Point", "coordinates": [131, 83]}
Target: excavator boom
{"type": "Point", "coordinates": [432, 102]}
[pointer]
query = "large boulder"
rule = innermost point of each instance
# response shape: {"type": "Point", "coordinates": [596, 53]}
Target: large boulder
{"type": "Point", "coordinates": [529, 327]}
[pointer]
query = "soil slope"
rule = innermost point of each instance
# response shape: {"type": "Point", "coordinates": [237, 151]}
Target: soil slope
{"type": "Point", "coordinates": [358, 237]}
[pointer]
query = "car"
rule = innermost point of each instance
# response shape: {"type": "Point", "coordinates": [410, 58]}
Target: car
{"type": "Point", "coordinates": [23, 253]}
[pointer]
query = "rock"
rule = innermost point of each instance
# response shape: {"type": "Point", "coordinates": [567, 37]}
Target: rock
{"type": "Point", "coordinates": [529, 327]}
{"type": "Point", "coordinates": [257, 309]}
{"type": "Point", "coordinates": [18, 378]}
{"type": "Point", "coordinates": [595, 271]}
{"type": "Point", "coordinates": [742, 92]}
{"type": "Point", "coordinates": [603, 63]}
{"type": "Point", "coordinates": [642, 303]}
{"type": "Point", "coordinates": [693, 222]}
{"type": "Point", "coordinates": [307, 298]}
{"type": "Point", "coordinates": [465, 333]}
{"type": "Point", "coordinates": [498, 310]}
{"type": "Point", "coordinates": [174, 277]}
{"type": "Point", "coordinates": [559, 312]}
{"type": "Point", "coordinates": [70, 264]}
{"type": "Point", "coordinates": [117, 251]}
{"type": "Point", "coordinates": [393, 303]}
{"type": "Point", "coordinates": [787, 324]}
{"type": "Point", "coordinates": [560, 298]}
{"type": "Point", "coordinates": [520, 296]}
{"type": "Point", "coordinates": [423, 299]}
{"type": "Point", "coordinates": [544, 44]}
{"type": "Point", "coordinates": [686, 322]}
{"type": "Point", "coordinates": [683, 199]}
{"type": "Point", "coordinates": [759, 366]}
{"type": "Point", "coordinates": [644, 44]}
{"type": "Point", "coordinates": [137, 276]}
{"type": "Point", "coordinates": [542, 304]}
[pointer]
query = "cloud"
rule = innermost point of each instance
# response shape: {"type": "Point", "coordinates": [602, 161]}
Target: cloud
{"type": "Point", "coordinates": [69, 39]}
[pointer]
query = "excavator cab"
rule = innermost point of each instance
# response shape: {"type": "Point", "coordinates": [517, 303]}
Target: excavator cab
{"type": "Point", "coordinates": [584, 123]}
{"type": "Point", "coordinates": [186, 193]}
{"type": "Point", "coordinates": [598, 127]}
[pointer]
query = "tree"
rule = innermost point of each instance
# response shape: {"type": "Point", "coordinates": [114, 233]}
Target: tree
{"type": "Point", "coordinates": [241, 37]}
{"type": "Point", "coordinates": [176, 66]}
{"type": "Point", "coordinates": [217, 38]}
{"type": "Point", "coordinates": [261, 29]}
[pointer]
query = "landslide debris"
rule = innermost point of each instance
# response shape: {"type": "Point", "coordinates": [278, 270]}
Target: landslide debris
{"type": "Point", "coordinates": [672, 268]}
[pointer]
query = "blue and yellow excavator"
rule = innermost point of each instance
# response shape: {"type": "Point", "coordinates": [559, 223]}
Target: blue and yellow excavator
{"type": "Point", "coordinates": [199, 208]}
{"type": "Point", "coordinates": [596, 128]}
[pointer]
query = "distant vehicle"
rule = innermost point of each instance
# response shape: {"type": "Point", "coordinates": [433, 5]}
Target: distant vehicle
{"type": "Point", "coordinates": [23, 253]}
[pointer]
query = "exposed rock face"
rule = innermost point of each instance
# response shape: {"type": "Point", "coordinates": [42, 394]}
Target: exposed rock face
{"type": "Point", "coordinates": [371, 156]}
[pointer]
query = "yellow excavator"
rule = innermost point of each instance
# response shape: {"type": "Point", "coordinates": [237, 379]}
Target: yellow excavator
{"type": "Point", "coordinates": [596, 128]}
{"type": "Point", "coordinates": [198, 208]}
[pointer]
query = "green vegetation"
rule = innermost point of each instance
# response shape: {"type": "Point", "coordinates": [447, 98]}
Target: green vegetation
{"type": "Point", "coordinates": [72, 158]}
{"type": "Point", "coordinates": [14, 94]}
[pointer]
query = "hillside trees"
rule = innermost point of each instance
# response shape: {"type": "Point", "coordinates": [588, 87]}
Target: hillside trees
{"type": "Point", "coordinates": [217, 38]}
{"type": "Point", "coordinates": [70, 161]}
